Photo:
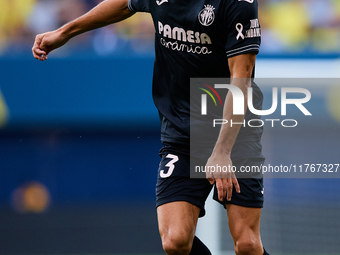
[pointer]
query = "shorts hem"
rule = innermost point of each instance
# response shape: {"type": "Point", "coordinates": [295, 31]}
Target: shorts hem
{"type": "Point", "coordinates": [244, 203]}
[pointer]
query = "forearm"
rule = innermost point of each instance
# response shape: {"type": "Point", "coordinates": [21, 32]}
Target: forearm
{"type": "Point", "coordinates": [105, 13]}
{"type": "Point", "coordinates": [241, 68]}
{"type": "Point", "coordinates": [229, 132]}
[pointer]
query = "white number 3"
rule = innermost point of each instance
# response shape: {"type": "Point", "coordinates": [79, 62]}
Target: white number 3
{"type": "Point", "coordinates": [170, 165]}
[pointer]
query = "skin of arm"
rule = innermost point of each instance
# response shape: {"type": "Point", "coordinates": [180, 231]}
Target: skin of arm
{"type": "Point", "coordinates": [241, 68]}
{"type": "Point", "coordinates": [105, 13]}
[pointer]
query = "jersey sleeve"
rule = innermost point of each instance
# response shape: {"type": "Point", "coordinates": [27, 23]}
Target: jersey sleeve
{"type": "Point", "coordinates": [139, 5]}
{"type": "Point", "coordinates": [243, 28]}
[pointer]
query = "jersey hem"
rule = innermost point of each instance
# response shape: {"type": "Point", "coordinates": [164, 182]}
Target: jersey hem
{"type": "Point", "coordinates": [243, 137]}
{"type": "Point", "coordinates": [175, 140]}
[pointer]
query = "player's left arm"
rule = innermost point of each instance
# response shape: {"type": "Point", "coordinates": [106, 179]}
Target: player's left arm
{"type": "Point", "coordinates": [243, 34]}
{"type": "Point", "coordinates": [241, 68]}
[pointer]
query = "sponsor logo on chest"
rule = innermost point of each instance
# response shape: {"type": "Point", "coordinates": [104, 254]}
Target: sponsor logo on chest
{"type": "Point", "coordinates": [187, 40]}
{"type": "Point", "coordinates": [183, 35]}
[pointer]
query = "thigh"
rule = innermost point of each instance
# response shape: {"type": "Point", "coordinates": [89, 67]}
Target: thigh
{"type": "Point", "coordinates": [244, 223]}
{"type": "Point", "coordinates": [178, 220]}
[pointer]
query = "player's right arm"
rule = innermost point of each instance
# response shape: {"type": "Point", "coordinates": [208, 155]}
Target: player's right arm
{"type": "Point", "coordinates": [105, 13]}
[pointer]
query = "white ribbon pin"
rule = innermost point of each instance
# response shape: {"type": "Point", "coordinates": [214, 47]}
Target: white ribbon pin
{"type": "Point", "coordinates": [239, 29]}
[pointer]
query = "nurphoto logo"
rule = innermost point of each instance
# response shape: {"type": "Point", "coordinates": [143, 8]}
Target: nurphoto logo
{"type": "Point", "coordinates": [239, 103]}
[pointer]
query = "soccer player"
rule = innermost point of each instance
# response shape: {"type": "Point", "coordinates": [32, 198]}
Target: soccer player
{"type": "Point", "coordinates": [201, 38]}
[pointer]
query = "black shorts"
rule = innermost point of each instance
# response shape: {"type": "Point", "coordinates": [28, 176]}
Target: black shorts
{"type": "Point", "coordinates": [174, 182]}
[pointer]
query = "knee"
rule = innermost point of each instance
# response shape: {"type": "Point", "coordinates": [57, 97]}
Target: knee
{"type": "Point", "coordinates": [248, 246]}
{"type": "Point", "coordinates": [178, 244]}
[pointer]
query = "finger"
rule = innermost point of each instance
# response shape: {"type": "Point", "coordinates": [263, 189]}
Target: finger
{"type": "Point", "coordinates": [225, 187]}
{"type": "Point", "coordinates": [229, 188]}
{"type": "Point", "coordinates": [38, 53]}
{"type": "Point", "coordinates": [37, 43]}
{"type": "Point", "coordinates": [210, 178]}
{"type": "Point", "coordinates": [38, 40]}
{"type": "Point", "coordinates": [43, 57]}
{"type": "Point", "coordinates": [221, 191]}
{"type": "Point", "coordinates": [236, 185]}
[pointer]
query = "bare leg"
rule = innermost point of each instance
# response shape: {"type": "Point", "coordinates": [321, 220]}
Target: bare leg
{"type": "Point", "coordinates": [177, 225]}
{"type": "Point", "coordinates": [244, 225]}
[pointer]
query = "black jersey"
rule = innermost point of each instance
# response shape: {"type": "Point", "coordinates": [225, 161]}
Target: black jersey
{"type": "Point", "coordinates": [195, 38]}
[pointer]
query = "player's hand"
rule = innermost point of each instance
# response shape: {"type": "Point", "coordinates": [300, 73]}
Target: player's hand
{"type": "Point", "coordinates": [45, 43]}
{"type": "Point", "coordinates": [224, 177]}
